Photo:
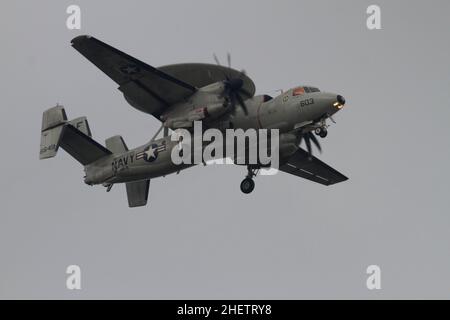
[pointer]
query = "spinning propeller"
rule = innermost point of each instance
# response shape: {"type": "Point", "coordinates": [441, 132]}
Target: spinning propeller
{"type": "Point", "coordinates": [233, 86]}
{"type": "Point", "coordinates": [308, 137]}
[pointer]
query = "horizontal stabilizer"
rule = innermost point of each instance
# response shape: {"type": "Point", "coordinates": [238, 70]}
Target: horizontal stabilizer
{"type": "Point", "coordinates": [137, 193]}
{"type": "Point", "coordinates": [80, 146]}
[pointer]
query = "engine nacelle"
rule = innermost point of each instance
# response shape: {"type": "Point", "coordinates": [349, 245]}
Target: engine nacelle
{"type": "Point", "coordinates": [214, 111]}
{"type": "Point", "coordinates": [288, 145]}
{"type": "Point", "coordinates": [210, 112]}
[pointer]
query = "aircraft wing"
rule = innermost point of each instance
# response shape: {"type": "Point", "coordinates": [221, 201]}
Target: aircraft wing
{"type": "Point", "coordinates": [144, 87]}
{"type": "Point", "coordinates": [314, 169]}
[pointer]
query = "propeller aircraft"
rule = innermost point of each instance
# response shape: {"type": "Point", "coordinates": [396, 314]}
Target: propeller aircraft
{"type": "Point", "coordinates": [179, 95]}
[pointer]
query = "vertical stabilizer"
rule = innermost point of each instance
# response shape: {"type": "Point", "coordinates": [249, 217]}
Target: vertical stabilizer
{"type": "Point", "coordinates": [53, 121]}
{"type": "Point", "coordinates": [137, 193]}
{"type": "Point", "coordinates": [116, 144]}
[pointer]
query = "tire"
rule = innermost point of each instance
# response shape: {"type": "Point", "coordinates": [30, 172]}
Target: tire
{"type": "Point", "coordinates": [323, 133]}
{"type": "Point", "coordinates": [247, 185]}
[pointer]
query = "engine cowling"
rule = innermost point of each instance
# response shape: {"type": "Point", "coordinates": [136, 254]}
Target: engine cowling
{"type": "Point", "coordinates": [210, 112]}
{"type": "Point", "coordinates": [288, 145]}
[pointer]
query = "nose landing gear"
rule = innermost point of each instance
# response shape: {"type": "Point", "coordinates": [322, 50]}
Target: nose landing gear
{"type": "Point", "coordinates": [321, 132]}
{"type": "Point", "coordinates": [247, 185]}
{"type": "Point", "coordinates": [321, 129]}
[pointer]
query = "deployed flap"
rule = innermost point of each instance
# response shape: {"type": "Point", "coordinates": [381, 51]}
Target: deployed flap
{"type": "Point", "coordinates": [314, 169]}
{"type": "Point", "coordinates": [80, 146]}
{"type": "Point", "coordinates": [145, 87]}
{"type": "Point", "coordinates": [116, 144]}
{"type": "Point", "coordinates": [137, 193]}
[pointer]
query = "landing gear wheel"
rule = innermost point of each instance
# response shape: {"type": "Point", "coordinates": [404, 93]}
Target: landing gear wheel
{"type": "Point", "coordinates": [247, 185]}
{"type": "Point", "coordinates": [323, 133]}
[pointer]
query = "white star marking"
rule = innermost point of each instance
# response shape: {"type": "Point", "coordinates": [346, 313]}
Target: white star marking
{"type": "Point", "coordinates": [150, 153]}
{"type": "Point", "coordinates": [130, 69]}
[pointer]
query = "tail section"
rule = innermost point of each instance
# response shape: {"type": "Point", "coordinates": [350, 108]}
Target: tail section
{"type": "Point", "coordinates": [137, 191]}
{"type": "Point", "coordinates": [73, 136]}
{"type": "Point", "coordinates": [82, 125]}
{"type": "Point", "coordinates": [53, 121]}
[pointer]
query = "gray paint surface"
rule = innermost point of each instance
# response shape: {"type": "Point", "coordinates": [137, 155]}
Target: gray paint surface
{"type": "Point", "coordinates": [200, 237]}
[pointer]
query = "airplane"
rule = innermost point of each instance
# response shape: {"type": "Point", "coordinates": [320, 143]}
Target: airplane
{"type": "Point", "coordinates": [179, 95]}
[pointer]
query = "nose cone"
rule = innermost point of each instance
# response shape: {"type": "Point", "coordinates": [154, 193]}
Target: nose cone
{"type": "Point", "coordinates": [340, 99]}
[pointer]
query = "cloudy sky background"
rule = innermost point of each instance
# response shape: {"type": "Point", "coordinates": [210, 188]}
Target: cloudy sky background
{"type": "Point", "coordinates": [199, 236]}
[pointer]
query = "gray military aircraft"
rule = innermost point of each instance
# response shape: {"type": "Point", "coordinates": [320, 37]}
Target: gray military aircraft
{"type": "Point", "coordinates": [178, 95]}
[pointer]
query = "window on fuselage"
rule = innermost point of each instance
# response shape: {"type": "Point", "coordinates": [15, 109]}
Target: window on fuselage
{"type": "Point", "coordinates": [266, 98]}
{"type": "Point", "coordinates": [302, 90]}
{"type": "Point", "coordinates": [298, 91]}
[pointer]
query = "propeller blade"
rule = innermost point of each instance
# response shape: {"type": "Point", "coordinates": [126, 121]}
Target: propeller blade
{"type": "Point", "coordinates": [245, 92]}
{"type": "Point", "coordinates": [314, 140]}
{"type": "Point", "coordinates": [242, 103]}
{"type": "Point", "coordinates": [232, 100]}
{"type": "Point", "coordinates": [308, 144]}
{"type": "Point", "coordinates": [235, 84]}
{"type": "Point", "coordinates": [216, 59]}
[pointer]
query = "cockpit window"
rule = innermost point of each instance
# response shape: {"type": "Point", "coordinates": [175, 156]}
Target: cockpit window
{"type": "Point", "coordinates": [302, 90]}
{"type": "Point", "coordinates": [298, 91]}
{"type": "Point", "coordinates": [266, 98]}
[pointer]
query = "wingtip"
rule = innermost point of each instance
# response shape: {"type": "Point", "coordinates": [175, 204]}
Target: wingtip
{"type": "Point", "coordinates": [79, 39]}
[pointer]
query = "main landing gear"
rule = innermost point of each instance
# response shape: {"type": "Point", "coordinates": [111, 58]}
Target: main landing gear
{"type": "Point", "coordinates": [247, 185]}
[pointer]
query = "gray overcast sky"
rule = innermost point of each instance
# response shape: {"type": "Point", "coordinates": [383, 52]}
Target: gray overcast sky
{"type": "Point", "coordinates": [200, 237]}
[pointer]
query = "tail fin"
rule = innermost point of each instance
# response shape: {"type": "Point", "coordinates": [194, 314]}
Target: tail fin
{"type": "Point", "coordinates": [81, 124]}
{"type": "Point", "coordinates": [116, 144]}
{"type": "Point", "coordinates": [53, 121]}
{"type": "Point", "coordinates": [73, 136]}
{"type": "Point", "coordinates": [137, 193]}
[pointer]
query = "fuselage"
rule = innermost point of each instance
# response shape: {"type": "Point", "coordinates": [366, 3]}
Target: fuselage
{"type": "Point", "coordinates": [298, 109]}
